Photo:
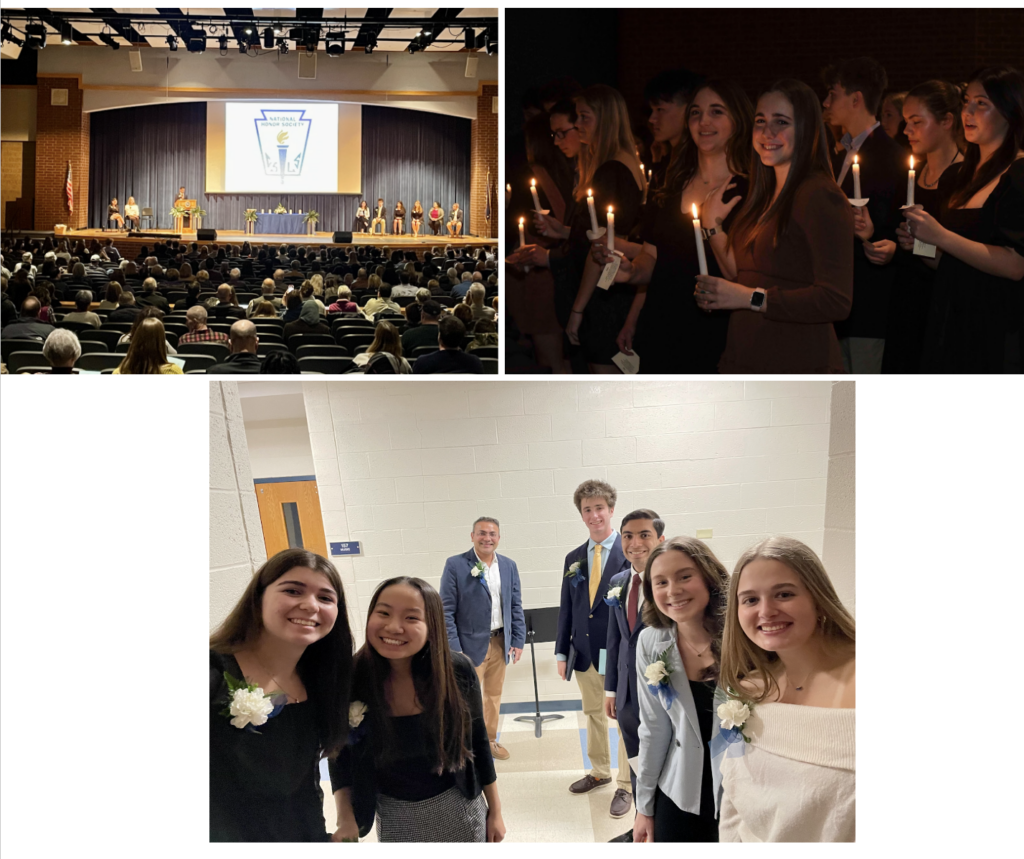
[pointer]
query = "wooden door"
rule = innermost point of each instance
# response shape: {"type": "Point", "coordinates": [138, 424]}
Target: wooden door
{"type": "Point", "coordinates": [291, 517]}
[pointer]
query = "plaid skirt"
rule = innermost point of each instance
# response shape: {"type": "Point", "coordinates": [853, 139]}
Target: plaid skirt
{"type": "Point", "coordinates": [446, 817]}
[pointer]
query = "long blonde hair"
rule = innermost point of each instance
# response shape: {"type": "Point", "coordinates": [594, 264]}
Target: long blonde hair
{"type": "Point", "coordinates": [741, 658]}
{"type": "Point", "coordinates": [612, 133]}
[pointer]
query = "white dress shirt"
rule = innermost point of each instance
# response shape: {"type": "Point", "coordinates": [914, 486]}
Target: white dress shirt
{"type": "Point", "coordinates": [852, 146]}
{"type": "Point", "coordinates": [493, 577]}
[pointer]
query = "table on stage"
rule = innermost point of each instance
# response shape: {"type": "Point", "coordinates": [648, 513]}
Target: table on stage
{"type": "Point", "coordinates": [280, 225]}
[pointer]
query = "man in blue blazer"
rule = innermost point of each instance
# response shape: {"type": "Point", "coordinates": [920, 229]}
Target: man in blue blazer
{"type": "Point", "coordinates": [483, 610]}
{"type": "Point", "coordinates": [583, 624]}
{"type": "Point", "coordinates": [641, 531]}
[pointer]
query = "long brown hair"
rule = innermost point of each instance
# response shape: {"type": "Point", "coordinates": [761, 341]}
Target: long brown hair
{"type": "Point", "coordinates": [447, 719]}
{"type": "Point", "coordinates": [1004, 86]}
{"type": "Point", "coordinates": [612, 133]}
{"type": "Point", "coordinates": [147, 352]}
{"type": "Point", "coordinates": [741, 658]}
{"type": "Point", "coordinates": [325, 666]}
{"type": "Point", "coordinates": [941, 98]}
{"type": "Point", "coordinates": [810, 156]}
{"type": "Point", "coordinates": [386, 339]}
{"type": "Point", "coordinates": [683, 165]}
{"type": "Point", "coordinates": [715, 578]}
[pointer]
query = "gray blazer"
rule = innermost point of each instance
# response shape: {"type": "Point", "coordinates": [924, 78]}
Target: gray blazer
{"type": "Point", "coordinates": [671, 751]}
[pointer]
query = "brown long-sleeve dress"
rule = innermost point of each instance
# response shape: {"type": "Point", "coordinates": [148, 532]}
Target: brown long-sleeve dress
{"type": "Point", "coordinates": [809, 283]}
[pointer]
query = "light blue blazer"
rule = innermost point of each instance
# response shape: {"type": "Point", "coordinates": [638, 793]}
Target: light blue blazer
{"type": "Point", "coordinates": [671, 750]}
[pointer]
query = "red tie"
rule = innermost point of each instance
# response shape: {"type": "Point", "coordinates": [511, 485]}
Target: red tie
{"type": "Point", "coordinates": [632, 600]}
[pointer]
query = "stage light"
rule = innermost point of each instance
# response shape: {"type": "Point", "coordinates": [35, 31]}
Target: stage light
{"type": "Point", "coordinates": [172, 43]}
{"type": "Point", "coordinates": [65, 34]}
{"type": "Point", "coordinates": [248, 31]}
{"type": "Point", "coordinates": [470, 39]}
{"type": "Point", "coordinates": [35, 36]}
{"type": "Point", "coordinates": [334, 44]}
{"type": "Point", "coordinates": [110, 42]}
{"type": "Point", "coordinates": [268, 38]}
{"type": "Point", "coordinates": [242, 48]}
{"type": "Point", "coordinates": [197, 43]}
{"type": "Point", "coordinates": [492, 43]}
{"type": "Point", "coordinates": [223, 40]}
{"type": "Point", "coordinates": [278, 30]}
{"type": "Point", "coordinates": [371, 43]}
{"type": "Point", "coordinates": [9, 36]}
{"type": "Point", "coordinates": [282, 46]}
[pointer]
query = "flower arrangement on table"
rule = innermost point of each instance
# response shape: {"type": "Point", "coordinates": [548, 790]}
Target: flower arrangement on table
{"type": "Point", "coordinates": [280, 210]}
{"type": "Point", "coordinates": [311, 218]}
{"type": "Point", "coordinates": [249, 707]}
{"type": "Point", "coordinates": [658, 682]}
{"type": "Point", "coordinates": [575, 572]}
{"type": "Point", "coordinates": [197, 217]}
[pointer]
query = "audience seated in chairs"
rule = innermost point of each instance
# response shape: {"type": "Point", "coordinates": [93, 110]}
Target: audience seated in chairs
{"type": "Point", "coordinates": [426, 333]}
{"type": "Point", "coordinates": [449, 358]}
{"type": "Point", "coordinates": [61, 350]}
{"type": "Point", "coordinates": [151, 298]}
{"type": "Point", "coordinates": [343, 303]}
{"type": "Point", "coordinates": [243, 342]}
{"type": "Point", "coordinates": [308, 321]}
{"type": "Point", "coordinates": [42, 292]}
{"type": "Point", "coordinates": [227, 306]}
{"type": "Point", "coordinates": [485, 334]}
{"type": "Point", "coordinates": [281, 362]}
{"type": "Point", "coordinates": [147, 354]}
{"type": "Point", "coordinates": [82, 313]}
{"type": "Point", "coordinates": [293, 305]}
{"type": "Point", "coordinates": [195, 319]}
{"type": "Point", "coordinates": [464, 314]}
{"type": "Point", "coordinates": [267, 294]}
{"type": "Point", "coordinates": [383, 300]}
{"type": "Point", "coordinates": [385, 339]}
{"type": "Point", "coordinates": [127, 309]}
{"type": "Point", "coordinates": [27, 326]}
{"type": "Point", "coordinates": [308, 293]}
{"type": "Point", "coordinates": [145, 313]}
{"type": "Point", "coordinates": [475, 301]}
{"type": "Point", "coordinates": [110, 297]}
{"type": "Point", "coordinates": [265, 310]}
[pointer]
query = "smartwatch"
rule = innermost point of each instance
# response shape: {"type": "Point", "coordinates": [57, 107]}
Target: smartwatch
{"type": "Point", "coordinates": [757, 299]}
{"type": "Point", "coordinates": [714, 231]}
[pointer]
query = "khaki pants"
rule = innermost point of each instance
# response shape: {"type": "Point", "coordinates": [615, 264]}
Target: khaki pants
{"type": "Point", "coordinates": [622, 779]}
{"type": "Point", "coordinates": [598, 748]}
{"type": "Point", "coordinates": [492, 676]}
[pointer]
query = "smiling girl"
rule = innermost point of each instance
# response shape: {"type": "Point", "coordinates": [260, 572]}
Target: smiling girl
{"type": "Point", "coordinates": [789, 654]}
{"type": "Point", "coordinates": [289, 637]}
{"type": "Point", "coordinates": [422, 762]}
{"type": "Point", "coordinates": [684, 597]}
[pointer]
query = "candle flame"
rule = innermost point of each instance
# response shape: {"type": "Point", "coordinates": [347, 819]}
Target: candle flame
{"type": "Point", "coordinates": [590, 192]}
{"type": "Point", "coordinates": [521, 221]}
{"type": "Point", "coordinates": [508, 187]}
{"type": "Point", "coordinates": [609, 210]}
{"type": "Point", "coordinates": [911, 162]}
{"type": "Point", "coordinates": [695, 215]}
{"type": "Point", "coordinates": [854, 159]}
{"type": "Point", "coordinates": [533, 182]}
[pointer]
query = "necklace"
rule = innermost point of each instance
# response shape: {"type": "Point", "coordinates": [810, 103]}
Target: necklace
{"type": "Point", "coordinates": [800, 687]}
{"type": "Point", "coordinates": [694, 649]}
{"type": "Point", "coordinates": [927, 168]}
{"type": "Point", "coordinates": [291, 698]}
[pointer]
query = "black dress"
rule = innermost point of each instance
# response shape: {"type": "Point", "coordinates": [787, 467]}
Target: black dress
{"type": "Point", "coordinates": [974, 320]}
{"type": "Point", "coordinates": [673, 334]}
{"type": "Point", "coordinates": [671, 823]}
{"type": "Point", "coordinates": [265, 786]}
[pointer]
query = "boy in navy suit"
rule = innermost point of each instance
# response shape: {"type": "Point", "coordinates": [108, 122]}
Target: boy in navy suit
{"type": "Point", "coordinates": [641, 531]}
{"type": "Point", "coordinates": [583, 623]}
{"type": "Point", "coordinates": [483, 610]}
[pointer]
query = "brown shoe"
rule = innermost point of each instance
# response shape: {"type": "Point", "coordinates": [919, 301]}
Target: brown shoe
{"type": "Point", "coordinates": [588, 783]}
{"type": "Point", "coordinates": [621, 803]}
{"type": "Point", "coordinates": [499, 752]}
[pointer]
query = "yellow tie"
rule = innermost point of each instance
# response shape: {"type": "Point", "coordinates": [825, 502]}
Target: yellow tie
{"type": "Point", "coordinates": [595, 573]}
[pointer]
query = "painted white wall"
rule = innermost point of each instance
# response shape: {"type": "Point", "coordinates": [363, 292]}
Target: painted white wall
{"type": "Point", "coordinates": [236, 537]}
{"type": "Point", "coordinates": [839, 550]}
{"type": "Point", "coordinates": [18, 118]}
{"type": "Point", "coordinates": [279, 448]}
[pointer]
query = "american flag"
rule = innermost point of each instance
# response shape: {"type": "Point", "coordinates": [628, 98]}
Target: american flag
{"type": "Point", "coordinates": [69, 193]}
{"type": "Point", "coordinates": [487, 211]}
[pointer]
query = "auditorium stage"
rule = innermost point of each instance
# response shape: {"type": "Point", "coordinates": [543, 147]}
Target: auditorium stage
{"type": "Point", "coordinates": [236, 237]}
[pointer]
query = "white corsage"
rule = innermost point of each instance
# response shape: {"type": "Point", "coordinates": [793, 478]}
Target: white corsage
{"type": "Point", "coordinates": [614, 596]}
{"type": "Point", "coordinates": [356, 714]}
{"type": "Point", "coordinates": [248, 706]}
{"type": "Point", "coordinates": [657, 674]}
{"type": "Point", "coordinates": [734, 715]}
{"type": "Point", "coordinates": [575, 573]}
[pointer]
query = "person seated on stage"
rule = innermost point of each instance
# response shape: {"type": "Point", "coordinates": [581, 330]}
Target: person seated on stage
{"type": "Point", "coordinates": [114, 215]}
{"type": "Point", "coordinates": [151, 298]}
{"type": "Point", "coordinates": [267, 294]}
{"type": "Point", "coordinates": [436, 217]}
{"type": "Point", "coordinates": [308, 321]}
{"type": "Point", "coordinates": [197, 330]}
{"type": "Point", "coordinates": [398, 226]}
{"type": "Point", "coordinates": [382, 301]}
{"type": "Point", "coordinates": [131, 215]}
{"type": "Point", "coordinates": [344, 302]}
{"type": "Point", "coordinates": [417, 218]}
{"type": "Point", "coordinates": [362, 223]}
{"type": "Point", "coordinates": [244, 343]}
{"type": "Point", "coordinates": [227, 306]}
{"type": "Point", "coordinates": [379, 217]}
{"type": "Point", "coordinates": [449, 358]}
{"type": "Point", "coordinates": [82, 313]}
{"type": "Point", "coordinates": [127, 309]}
{"type": "Point", "coordinates": [455, 221]}
{"type": "Point", "coordinates": [485, 334]}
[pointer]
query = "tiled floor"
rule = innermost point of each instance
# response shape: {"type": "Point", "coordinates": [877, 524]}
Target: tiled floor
{"type": "Point", "coordinates": [534, 784]}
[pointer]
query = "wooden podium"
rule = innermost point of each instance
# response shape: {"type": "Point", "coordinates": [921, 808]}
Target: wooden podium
{"type": "Point", "coordinates": [190, 205]}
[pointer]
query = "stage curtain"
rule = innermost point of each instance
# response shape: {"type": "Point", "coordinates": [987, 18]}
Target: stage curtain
{"type": "Point", "coordinates": [148, 152]}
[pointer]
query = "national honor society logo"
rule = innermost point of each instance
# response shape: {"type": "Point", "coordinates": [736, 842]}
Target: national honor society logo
{"type": "Point", "coordinates": [283, 137]}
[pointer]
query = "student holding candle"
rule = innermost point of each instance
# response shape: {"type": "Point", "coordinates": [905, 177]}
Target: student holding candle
{"type": "Point", "coordinates": [855, 92]}
{"type": "Point", "coordinates": [667, 95]}
{"type": "Point", "coordinates": [788, 257]}
{"type": "Point", "coordinates": [974, 319]}
{"type": "Point", "coordinates": [670, 332]}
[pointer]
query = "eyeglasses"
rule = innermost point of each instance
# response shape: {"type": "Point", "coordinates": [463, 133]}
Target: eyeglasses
{"type": "Point", "coordinates": [561, 133]}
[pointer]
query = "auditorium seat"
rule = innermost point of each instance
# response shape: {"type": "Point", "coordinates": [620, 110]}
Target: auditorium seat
{"type": "Point", "coordinates": [77, 327]}
{"type": "Point", "coordinates": [270, 337]}
{"type": "Point", "coordinates": [8, 347]}
{"type": "Point", "coordinates": [176, 328]}
{"type": "Point", "coordinates": [42, 367]}
{"type": "Point", "coordinates": [297, 340]}
{"type": "Point", "coordinates": [105, 335]}
{"type": "Point", "coordinates": [123, 327]}
{"type": "Point", "coordinates": [223, 327]}
{"type": "Point", "coordinates": [93, 346]}
{"type": "Point", "coordinates": [265, 348]}
{"type": "Point", "coordinates": [16, 360]}
{"type": "Point", "coordinates": [425, 350]}
{"type": "Point", "coordinates": [361, 349]}
{"type": "Point", "coordinates": [482, 352]}
{"type": "Point", "coordinates": [98, 361]}
{"type": "Point", "coordinates": [220, 351]}
{"type": "Point", "coordinates": [490, 365]}
{"type": "Point", "coordinates": [323, 364]}
{"type": "Point", "coordinates": [306, 350]}
{"type": "Point", "coordinates": [197, 362]}
{"type": "Point", "coordinates": [350, 341]}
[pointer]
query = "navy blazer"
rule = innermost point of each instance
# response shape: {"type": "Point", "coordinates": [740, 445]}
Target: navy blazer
{"type": "Point", "coordinates": [467, 606]}
{"type": "Point", "coordinates": [577, 616]}
{"type": "Point", "coordinates": [620, 674]}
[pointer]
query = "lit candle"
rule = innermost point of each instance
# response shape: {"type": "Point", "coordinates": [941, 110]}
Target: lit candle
{"type": "Point", "coordinates": [593, 211]}
{"type": "Point", "coordinates": [533, 190]}
{"type": "Point", "coordinates": [650, 173]}
{"type": "Point", "coordinates": [611, 229]}
{"type": "Point", "coordinates": [910, 183]}
{"type": "Point", "coordinates": [856, 179]}
{"type": "Point", "coordinates": [522, 234]}
{"type": "Point", "coordinates": [700, 242]}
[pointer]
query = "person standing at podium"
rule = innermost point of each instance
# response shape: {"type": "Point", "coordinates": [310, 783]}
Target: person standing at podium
{"type": "Point", "coordinates": [641, 532]}
{"type": "Point", "coordinates": [483, 610]}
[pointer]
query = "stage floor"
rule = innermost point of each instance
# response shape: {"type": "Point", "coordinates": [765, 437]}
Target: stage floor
{"type": "Point", "coordinates": [423, 243]}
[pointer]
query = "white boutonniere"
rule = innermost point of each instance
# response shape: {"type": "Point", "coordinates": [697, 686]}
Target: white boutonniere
{"type": "Point", "coordinates": [248, 706]}
{"type": "Point", "coordinates": [614, 596]}
{"type": "Point", "coordinates": [479, 569]}
{"type": "Point", "coordinates": [734, 715]}
{"type": "Point", "coordinates": [657, 674]}
{"type": "Point", "coordinates": [356, 714]}
{"type": "Point", "coordinates": [575, 572]}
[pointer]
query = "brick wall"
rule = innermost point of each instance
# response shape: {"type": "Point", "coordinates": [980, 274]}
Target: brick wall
{"type": "Point", "coordinates": [755, 47]}
{"type": "Point", "coordinates": [62, 135]}
{"type": "Point", "coordinates": [484, 158]}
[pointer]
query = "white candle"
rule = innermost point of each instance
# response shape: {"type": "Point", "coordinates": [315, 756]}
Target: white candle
{"type": "Point", "coordinates": [522, 234]}
{"type": "Point", "coordinates": [856, 179]}
{"type": "Point", "coordinates": [700, 242]}
{"type": "Point", "coordinates": [910, 183]}
{"type": "Point", "coordinates": [611, 229]}
{"type": "Point", "coordinates": [533, 190]}
{"type": "Point", "coordinates": [593, 211]}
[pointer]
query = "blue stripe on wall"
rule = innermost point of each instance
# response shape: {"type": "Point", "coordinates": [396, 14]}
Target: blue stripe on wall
{"type": "Point", "coordinates": [284, 479]}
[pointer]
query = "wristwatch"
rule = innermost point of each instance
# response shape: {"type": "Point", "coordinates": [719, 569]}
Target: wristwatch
{"type": "Point", "coordinates": [757, 299]}
{"type": "Point", "coordinates": [713, 231]}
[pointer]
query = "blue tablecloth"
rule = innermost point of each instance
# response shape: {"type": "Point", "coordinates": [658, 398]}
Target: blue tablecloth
{"type": "Point", "coordinates": [281, 225]}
